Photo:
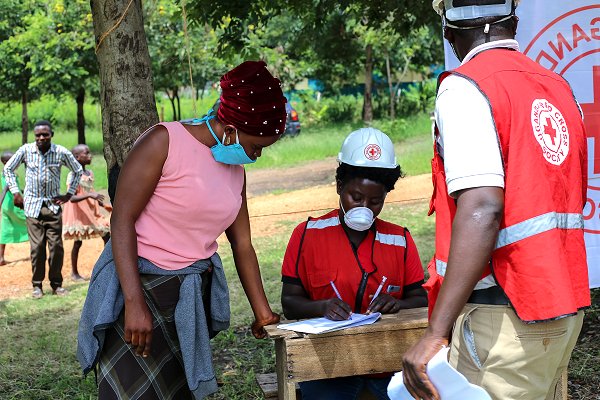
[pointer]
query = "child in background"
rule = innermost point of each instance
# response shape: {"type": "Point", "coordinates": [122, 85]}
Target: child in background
{"type": "Point", "coordinates": [13, 227]}
{"type": "Point", "coordinates": [82, 218]}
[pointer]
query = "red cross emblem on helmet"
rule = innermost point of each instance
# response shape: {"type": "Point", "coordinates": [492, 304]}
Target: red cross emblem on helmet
{"type": "Point", "coordinates": [372, 152]}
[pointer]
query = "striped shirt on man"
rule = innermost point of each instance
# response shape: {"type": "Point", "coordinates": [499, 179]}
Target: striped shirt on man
{"type": "Point", "coordinates": [42, 176]}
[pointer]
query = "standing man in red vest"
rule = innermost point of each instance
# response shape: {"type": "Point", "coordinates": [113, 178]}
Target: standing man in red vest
{"type": "Point", "coordinates": [509, 275]}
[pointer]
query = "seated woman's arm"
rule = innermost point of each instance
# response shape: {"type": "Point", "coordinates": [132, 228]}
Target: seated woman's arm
{"type": "Point", "coordinates": [295, 300]}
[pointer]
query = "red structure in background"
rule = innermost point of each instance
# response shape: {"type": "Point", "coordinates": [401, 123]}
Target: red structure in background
{"type": "Point", "coordinates": [591, 112]}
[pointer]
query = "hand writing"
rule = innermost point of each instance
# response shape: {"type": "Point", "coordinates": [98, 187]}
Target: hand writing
{"type": "Point", "coordinates": [336, 310]}
{"type": "Point", "coordinates": [385, 304]}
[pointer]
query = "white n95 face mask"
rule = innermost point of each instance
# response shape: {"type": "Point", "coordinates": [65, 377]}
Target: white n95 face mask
{"type": "Point", "coordinates": [358, 218]}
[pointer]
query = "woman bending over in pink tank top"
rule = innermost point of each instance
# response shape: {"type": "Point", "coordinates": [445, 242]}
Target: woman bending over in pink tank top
{"type": "Point", "coordinates": [180, 188]}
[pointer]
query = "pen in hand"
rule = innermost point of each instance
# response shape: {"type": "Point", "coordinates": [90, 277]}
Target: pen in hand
{"type": "Point", "coordinates": [383, 279]}
{"type": "Point", "coordinates": [338, 294]}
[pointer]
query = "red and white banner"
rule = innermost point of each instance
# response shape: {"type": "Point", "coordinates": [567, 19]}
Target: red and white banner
{"type": "Point", "coordinates": [564, 36]}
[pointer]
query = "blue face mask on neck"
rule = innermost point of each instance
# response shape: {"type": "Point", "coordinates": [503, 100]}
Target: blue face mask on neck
{"type": "Point", "coordinates": [234, 154]}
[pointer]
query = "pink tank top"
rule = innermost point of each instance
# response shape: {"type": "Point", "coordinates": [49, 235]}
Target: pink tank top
{"type": "Point", "coordinates": [195, 200]}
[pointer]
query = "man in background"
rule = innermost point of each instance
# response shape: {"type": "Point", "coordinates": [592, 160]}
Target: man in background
{"type": "Point", "coordinates": [41, 201]}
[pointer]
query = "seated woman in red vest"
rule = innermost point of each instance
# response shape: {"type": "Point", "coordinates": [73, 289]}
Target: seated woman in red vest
{"type": "Point", "coordinates": [351, 250]}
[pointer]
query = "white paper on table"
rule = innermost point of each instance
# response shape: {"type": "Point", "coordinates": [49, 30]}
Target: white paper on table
{"type": "Point", "coordinates": [450, 384]}
{"type": "Point", "coordinates": [324, 325]}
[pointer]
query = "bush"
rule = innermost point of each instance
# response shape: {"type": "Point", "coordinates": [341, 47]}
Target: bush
{"type": "Point", "coordinates": [346, 108]}
{"type": "Point", "coordinates": [165, 109]}
{"type": "Point", "coordinates": [61, 112]}
{"type": "Point", "coordinates": [310, 110]}
{"type": "Point", "coordinates": [418, 97]}
{"type": "Point", "coordinates": [396, 129]}
{"type": "Point", "coordinates": [381, 105]}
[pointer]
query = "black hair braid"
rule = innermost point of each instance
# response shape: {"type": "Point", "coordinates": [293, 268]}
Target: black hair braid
{"type": "Point", "coordinates": [384, 176]}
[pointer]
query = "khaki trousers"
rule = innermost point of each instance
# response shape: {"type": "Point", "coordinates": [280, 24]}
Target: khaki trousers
{"type": "Point", "coordinates": [512, 360]}
{"type": "Point", "coordinates": [46, 229]}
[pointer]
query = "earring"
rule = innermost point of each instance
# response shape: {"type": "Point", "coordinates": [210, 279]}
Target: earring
{"type": "Point", "coordinates": [227, 141]}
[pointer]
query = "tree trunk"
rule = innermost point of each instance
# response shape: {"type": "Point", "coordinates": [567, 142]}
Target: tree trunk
{"type": "Point", "coordinates": [178, 106]}
{"type": "Point", "coordinates": [80, 116]}
{"type": "Point", "coordinates": [368, 104]}
{"type": "Point", "coordinates": [172, 100]}
{"type": "Point", "coordinates": [126, 90]}
{"type": "Point", "coordinates": [24, 117]}
{"type": "Point", "coordinates": [390, 84]}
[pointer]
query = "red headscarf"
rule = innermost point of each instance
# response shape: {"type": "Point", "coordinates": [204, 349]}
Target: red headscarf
{"type": "Point", "coordinates": [252, 100]}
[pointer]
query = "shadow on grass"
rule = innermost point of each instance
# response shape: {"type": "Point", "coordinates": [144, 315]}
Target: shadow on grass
{"type": "Point", "coordinates": [39, 340]}
{"type": "Point", "coordinates": [37, 356]}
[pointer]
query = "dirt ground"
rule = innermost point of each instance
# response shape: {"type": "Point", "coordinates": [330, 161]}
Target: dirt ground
{"type": "Point", "coordinates": [273, 194]}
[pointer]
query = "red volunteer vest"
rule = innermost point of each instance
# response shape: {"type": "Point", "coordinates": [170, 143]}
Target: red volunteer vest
{"type": "Point", "coordinates": [539, 259]}
{"type": "Point", "coordinates": [326, 247]}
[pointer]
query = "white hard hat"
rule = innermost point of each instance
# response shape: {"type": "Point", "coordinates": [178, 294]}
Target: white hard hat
{"type": "Point", "coordinates": [368, 147]}
{"type": "Point", "coordinates": [503, 8]}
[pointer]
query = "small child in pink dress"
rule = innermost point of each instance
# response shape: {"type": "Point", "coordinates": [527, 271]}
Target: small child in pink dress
{"type": "Point", "coordinates": [82, 218]}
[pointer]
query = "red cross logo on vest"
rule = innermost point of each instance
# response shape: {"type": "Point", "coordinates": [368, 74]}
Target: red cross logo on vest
{"type": "Point", "coordinates": [372, 152]}
{"type": "Point", "coordinates": [550, 131]}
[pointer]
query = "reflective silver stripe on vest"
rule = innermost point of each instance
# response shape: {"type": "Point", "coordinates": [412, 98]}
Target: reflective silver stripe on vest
{"type": "Point", "coordinates": [440, 267]}
{"type": "Point", "coordinates": [484, 283]}
{"type": "Point", "coordinates": [536, 225]}
{"type": "Point", "coordinates": [394, 240]}
{"type": "Point", "coordinates": [323, 223]}
{"type": "Point", "coordinates": [523, 230]}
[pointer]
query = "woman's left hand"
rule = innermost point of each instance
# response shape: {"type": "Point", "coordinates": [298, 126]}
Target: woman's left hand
{"type": "Point", "coordinates": [258, 325]}
{"type": "Point", "coordinates": [385, 304]}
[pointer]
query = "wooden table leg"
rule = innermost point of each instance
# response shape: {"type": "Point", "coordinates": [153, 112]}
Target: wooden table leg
{"type": "Point", "coordinates": [285, 388]}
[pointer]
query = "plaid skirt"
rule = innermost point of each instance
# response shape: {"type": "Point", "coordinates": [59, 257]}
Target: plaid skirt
{"type": "Point", "coordinates": [124, 375]}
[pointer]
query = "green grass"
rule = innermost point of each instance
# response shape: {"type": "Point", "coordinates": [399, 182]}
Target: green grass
{"type": "Point", "coordinates": [413, 146]}
{"type": "Point", "coordinates": [414, 155]}
{"type": "Point", "coordinates": [165, 110]}
{"type": "Point", "coordinates": [322, 141]}
{"type": "Point", "coordinates": [37, 356]}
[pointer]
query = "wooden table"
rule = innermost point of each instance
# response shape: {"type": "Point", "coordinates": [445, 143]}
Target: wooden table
{"type": "Point", "coordinates": [362, 350]}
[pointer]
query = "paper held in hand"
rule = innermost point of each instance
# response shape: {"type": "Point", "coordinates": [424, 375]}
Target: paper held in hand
{"type": "Point", "coordinates": [450, 384]}
{"type": "Point", "coordinates": [324, 325]}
